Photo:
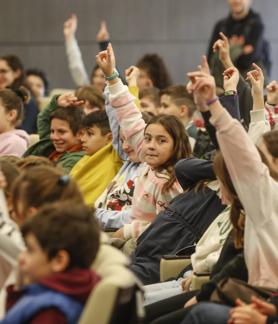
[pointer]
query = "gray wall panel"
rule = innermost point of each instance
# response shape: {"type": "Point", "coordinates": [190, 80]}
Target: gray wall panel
{"type": "Point", "coordinates": [177, 29]}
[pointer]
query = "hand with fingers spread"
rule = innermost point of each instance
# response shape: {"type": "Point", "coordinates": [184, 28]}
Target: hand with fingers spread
{"type": "Point", "coordinates": [231, 78]}
{"type": "Point", "coordinates": [272, 93]}
{"type": "Point", "coordinates": [131, 75]}
{"type": "Point", "coordinates": [256, 77]}
{"type": "Point", "coordinates": [106, 61]}
{"type": "Point", "coordinates": [222, 47]}
{"type": "Point", "coordinates": [70, 26]}
{"type": "Point", "coordinates": [69, 100]}
{"type": "Point", "coordinates": [103, 34]}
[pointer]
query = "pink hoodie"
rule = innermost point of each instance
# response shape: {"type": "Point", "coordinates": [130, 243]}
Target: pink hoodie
{"type": "Point", "coordinates": [14, 142]}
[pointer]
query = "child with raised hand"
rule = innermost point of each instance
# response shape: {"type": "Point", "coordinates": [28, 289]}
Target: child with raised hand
{"type": "Point", "coordinates": [55, 278]}
{"type": "Point", "coordinates": [12, 141]}
{"type": "Point", "coordinates": [255, 183]}
{"type": "Point", "coordinates": [59, 126]}
{"type": "Point", "coordinates": [76, 64]}
{"type": "Point", "coordinates": [160, 143]}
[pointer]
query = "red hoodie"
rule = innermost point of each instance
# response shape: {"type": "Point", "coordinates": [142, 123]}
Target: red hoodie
{"type": "Point", "coordinates": [76, 283]}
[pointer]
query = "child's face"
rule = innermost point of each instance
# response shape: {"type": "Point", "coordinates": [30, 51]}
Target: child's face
{"type": "Point", "coordinates": [144, 80]}
{"type": "Point", "coordinates": [92, 140]}
{"type": "Point", "coordinates": [36, 85]}
{"type": "Point", "coordinates": [98, 80]}
{"type": "Point", "coordinates": [7, 75]}
{"type": "Point", "coordinates": [147, 105]}
{"type": "Point", "coordinates": [62, 136]}
{"type": "Point", "coordinates": [6, 118]}
{"type": "Point", "coordinates": [158, 145]}
{"type": "Point", "coordinates": [34, 262]}
{"type": "Point", "coordinates": [168, 107]}
{"type": "Point", "coordinates": [128, 149]}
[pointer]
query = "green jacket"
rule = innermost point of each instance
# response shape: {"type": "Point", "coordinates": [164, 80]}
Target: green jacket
{"type": "Point", "coordinates": [44, 146]}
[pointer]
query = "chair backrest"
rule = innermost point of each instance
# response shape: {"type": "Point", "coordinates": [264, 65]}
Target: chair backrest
{"type": "Point", "coordinates": [116, 299]}
{"type": "Point", "coordinates": [44, 102]}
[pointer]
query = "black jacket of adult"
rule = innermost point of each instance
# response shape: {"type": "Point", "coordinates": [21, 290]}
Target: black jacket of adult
{"type": "Point", "coordinates": [251, 28]}
{"type": "Point", "coordinates": [182, 224]}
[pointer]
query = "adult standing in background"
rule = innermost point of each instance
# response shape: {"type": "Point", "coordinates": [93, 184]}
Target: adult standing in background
{"type": "Point", "coordinates": [245, 31]}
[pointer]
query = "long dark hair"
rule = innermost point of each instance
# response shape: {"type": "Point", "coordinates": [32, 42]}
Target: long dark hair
{"type": "Point", "coordinates": [15, 64]}
{"type": "Point", "coordinates": [182, 148]}
{"type": "Point", "coordinates": [237, 214]}
{"type": "Point", "coordinates": [156, 69]}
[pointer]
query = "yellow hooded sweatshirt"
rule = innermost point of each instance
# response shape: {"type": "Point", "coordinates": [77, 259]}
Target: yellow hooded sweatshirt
{"type": "Point", "coordinates": [93, 173]}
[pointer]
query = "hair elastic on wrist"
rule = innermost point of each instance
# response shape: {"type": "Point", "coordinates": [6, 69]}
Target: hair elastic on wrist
{"type": "Point", "coordinates": [113, 76]}
{"type": "Point", "coordinates": [211, 101]}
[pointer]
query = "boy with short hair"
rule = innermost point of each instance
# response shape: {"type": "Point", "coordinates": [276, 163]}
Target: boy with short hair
{"type": "Point", "coordinates": [62, 242]}
{"type": "Point", "coordinates": [59, 126]}
{"type": "Point", "coordinates": [176, 101]}
{"type": "Point", "coordinates": [94, 172]}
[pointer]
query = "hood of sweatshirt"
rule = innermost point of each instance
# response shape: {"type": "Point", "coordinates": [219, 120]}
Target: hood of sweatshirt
{"type": "Point", "coordinates": [76, 283]}
{"type": "Point", "coordinates": [16, 132]}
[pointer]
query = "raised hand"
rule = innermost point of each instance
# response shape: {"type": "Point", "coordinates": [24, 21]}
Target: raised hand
{"type": "Point", "coordinates": [204, 67]}
{"type": "Point", "coordinates": [203, 85]}
{"type": "Point", "coordinates": [231, 78]}
{"type": "Point", "coordinates": [106, 60]}
{"type": "Point", "coordinates": [222, 47]}
{"type": "Point", "coordinates": [103, 34]}
{"type": "Point", "coordinates": [69, 100]}
{"type": "Point", "coordinates": [70, 26]}
{"type": "Point", "coordinates": [272, 93]}
{"type": "Point", "coordinates": [256, 77]}
{"type": "Point", "coordinates": [131, 75]}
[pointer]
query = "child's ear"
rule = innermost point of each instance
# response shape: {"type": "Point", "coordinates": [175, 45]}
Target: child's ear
{"type": "Point", "coordinates": [109, 137]}
{"type": "Point", "coordinates": [60, 262]}
{"type": "Point", "coordinates": [184, 111]}
{"type": "Point", "coordinates": [12, 115]}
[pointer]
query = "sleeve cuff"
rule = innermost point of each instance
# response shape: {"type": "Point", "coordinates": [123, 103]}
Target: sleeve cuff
{"type": "Point", "coordinates": [117, 88]}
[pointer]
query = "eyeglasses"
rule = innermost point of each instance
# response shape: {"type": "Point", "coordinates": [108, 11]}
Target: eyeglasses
{"type": "Point", "coordinates": [3, 71]}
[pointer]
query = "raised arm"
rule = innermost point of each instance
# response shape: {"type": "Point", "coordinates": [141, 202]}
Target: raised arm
{"type": "Point", "coordinates": [114, 125]}
{"type": "Point", "coordinates": [129, 116]}
{"type": "Point", "coordinates": [243, 161]}
{"type": "Point", "coordinates": [75, 61]}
